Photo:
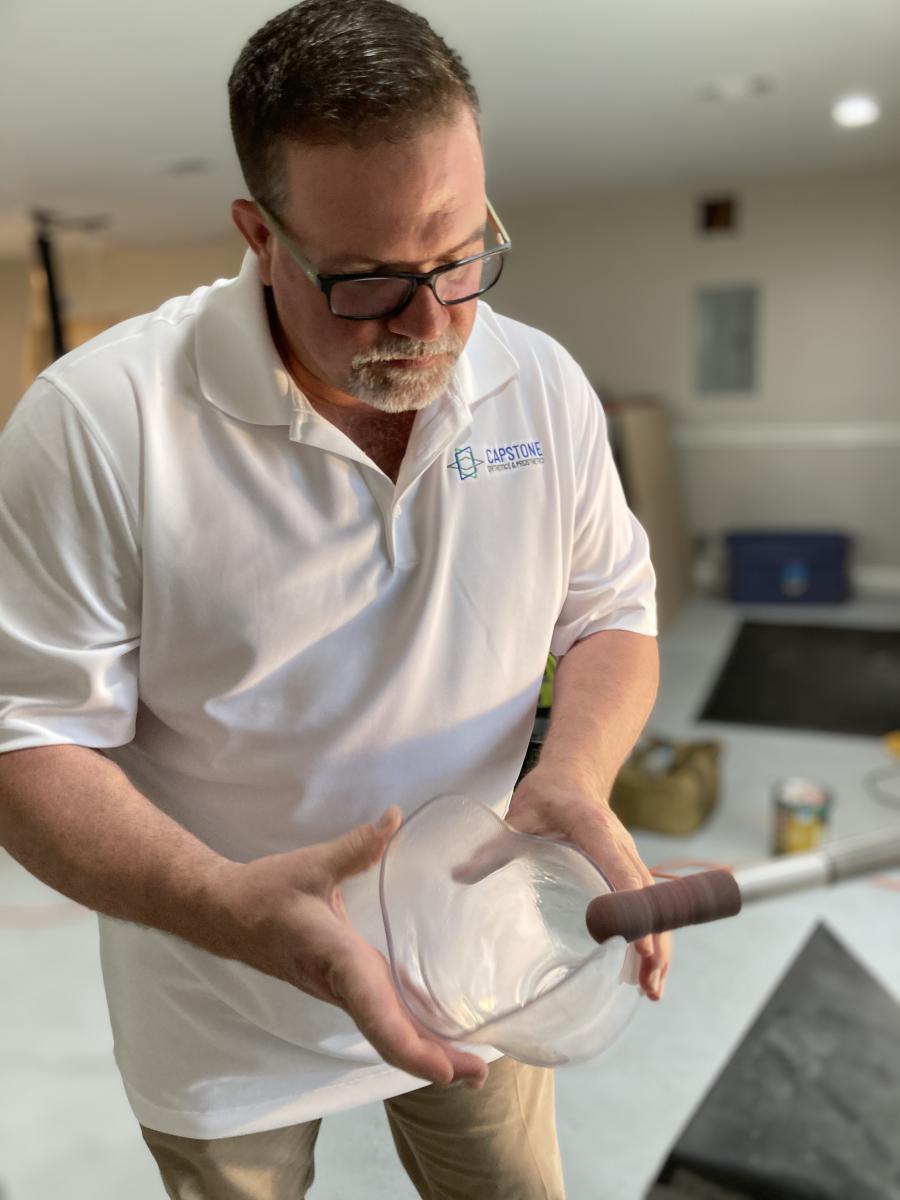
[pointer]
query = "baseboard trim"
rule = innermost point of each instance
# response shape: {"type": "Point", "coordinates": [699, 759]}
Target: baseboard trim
{"type": "Point", "coordinates": [876, 581]}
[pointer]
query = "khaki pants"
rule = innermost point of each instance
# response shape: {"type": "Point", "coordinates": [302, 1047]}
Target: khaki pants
{"type": "Point", "coordinates": [455, 1144]}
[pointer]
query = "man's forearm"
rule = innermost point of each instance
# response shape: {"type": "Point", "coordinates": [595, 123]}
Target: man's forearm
{"type": "Point", "coordinates": [603, 694]}
{"type": "Point", "coordinates": [73, 819]}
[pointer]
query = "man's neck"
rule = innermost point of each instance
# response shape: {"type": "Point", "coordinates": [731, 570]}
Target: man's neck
{"type": "Point", "coordinates": [382, 437]}
{"type": "Point", "coordinates": [316, 389]}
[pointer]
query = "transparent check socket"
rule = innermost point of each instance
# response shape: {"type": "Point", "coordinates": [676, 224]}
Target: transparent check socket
{"type": "Point", "coordinates": [487, 939]}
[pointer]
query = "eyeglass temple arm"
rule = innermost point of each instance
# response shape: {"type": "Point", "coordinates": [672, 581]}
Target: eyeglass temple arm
{"type": "Point", "coordinates": [498, 224]}
{"type": "Point", "coordinates": [275, 225]}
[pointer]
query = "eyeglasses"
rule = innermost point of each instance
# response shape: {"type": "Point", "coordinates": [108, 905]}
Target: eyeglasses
{"type": "Point", "coordinates": [370, 296]}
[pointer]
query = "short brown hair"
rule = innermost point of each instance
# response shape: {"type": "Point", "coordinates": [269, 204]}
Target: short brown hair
{"type": "Point", "coordinates": [332, 71]}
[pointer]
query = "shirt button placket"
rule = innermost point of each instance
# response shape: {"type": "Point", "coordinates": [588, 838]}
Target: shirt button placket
{"type": "Point", "coordinates": [404, 551]}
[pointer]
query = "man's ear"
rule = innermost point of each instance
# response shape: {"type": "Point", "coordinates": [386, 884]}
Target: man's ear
{"type": "Point", "coordinates": [257, 235]}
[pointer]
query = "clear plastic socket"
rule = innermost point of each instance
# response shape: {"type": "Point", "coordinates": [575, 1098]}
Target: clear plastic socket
{"type": "Point", "coordinates": [487, 939]}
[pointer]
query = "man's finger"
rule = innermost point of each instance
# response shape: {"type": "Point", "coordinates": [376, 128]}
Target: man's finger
{"type": "Point", "coordinates": [368, 995]}
{"type": "Point", "coordinates": [494, 854]}
{"type": "Point", "coordinates": [359, 848]}
{"type": "Point", "coordinates": [655, 967]}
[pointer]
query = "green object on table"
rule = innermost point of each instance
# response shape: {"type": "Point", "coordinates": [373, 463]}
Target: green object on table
{"type": "Point", "coordinates": [545, 700]}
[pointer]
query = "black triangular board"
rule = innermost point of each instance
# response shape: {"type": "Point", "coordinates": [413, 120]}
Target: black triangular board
{"type": "Point", "coordinates": [808, 1106]}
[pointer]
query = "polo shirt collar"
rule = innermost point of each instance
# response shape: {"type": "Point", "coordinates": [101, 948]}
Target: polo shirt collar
{"type": "Point", "coordinates": [241, 372]}
{"type": "Point", "coordinates": [238, 367]}
{"type": "Point", "coordinates": [487, 364]}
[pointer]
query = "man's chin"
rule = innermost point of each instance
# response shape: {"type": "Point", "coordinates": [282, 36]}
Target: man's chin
{"type": "Point", "coordinates": [395, 390]}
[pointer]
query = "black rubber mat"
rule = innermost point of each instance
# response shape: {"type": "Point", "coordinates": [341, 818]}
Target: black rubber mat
{"type": "Point", "coordinates": [813, 677]}
{"type": "Point", "coordinates": [807, 1107]}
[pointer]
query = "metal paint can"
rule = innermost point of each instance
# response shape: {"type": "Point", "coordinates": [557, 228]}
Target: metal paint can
{"type": "Point", "coordinates": [802, 809]}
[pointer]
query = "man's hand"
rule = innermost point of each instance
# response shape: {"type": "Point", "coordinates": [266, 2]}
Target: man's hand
{"type": "Point", "coordinates": [544, 803]}
{"type": "Point", "coordinates": [287, 919]}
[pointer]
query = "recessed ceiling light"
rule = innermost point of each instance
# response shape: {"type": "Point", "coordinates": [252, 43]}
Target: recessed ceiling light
{"type": "Point", "coordinates": [188, 166]}
{"type": "Point", "coordinates": [854, 111]}
{"type": "Point", "coordinates": [737, 87]}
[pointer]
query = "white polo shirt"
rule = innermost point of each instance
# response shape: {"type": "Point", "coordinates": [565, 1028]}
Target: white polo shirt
{"type": "Point", "coordinates": [205, 579]}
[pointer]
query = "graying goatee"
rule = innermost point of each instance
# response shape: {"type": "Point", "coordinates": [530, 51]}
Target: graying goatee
{"type": "Point", "coordinates": [393, 389]}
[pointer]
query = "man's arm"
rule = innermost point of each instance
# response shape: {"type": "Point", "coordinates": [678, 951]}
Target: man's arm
{"type": "Point", "coordinates": [603, 693]}
{"type": "Point", "coordinates": [73, 819]}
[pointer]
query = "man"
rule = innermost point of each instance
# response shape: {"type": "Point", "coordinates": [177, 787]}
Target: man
{"type": "Point", "coordinates": [286, 557]}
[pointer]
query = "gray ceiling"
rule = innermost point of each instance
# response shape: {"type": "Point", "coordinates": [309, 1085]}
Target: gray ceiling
{"type": "Point", "coordinates": [103, 98]}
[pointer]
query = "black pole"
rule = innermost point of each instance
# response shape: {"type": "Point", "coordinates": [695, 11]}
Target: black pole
{"type": "Point", "coordinates": [44, 246]}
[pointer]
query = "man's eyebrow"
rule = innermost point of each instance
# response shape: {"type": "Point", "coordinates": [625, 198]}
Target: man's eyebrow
{"type": "Point", "coordinates": [348, 264]}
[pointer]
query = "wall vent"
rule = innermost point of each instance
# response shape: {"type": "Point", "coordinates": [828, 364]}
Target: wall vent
{"type": "Point", "coordinates": [717, 214]}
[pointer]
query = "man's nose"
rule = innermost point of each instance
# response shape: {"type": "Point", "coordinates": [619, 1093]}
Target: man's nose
{"type": "Point", "coordinates": [423, 318]}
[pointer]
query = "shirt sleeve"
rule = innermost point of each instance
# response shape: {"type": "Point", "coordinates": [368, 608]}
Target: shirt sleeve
{"type": "Point", "coordinates": [70, 582]}
{"type": "Point", "coordinates": [612, 584]}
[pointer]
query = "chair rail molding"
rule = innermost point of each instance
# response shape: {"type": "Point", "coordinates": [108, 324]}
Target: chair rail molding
{"type": "Point", "coordinates": [717, 435]}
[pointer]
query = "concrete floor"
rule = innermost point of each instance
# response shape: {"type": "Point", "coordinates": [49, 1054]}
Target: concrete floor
{"type": "Point", "coordinates": [66, 1130]}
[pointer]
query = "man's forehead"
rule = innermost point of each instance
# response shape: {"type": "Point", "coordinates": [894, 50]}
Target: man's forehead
{"type": "Point", "coordinates": [381, 198]}
{"type": "Point", "coordinates": [364, 231]}
{"type": "Point", "coordinates": [445, 236]}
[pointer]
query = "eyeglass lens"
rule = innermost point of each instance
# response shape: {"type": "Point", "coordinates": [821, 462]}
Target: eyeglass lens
{"type": "Point", "coordinates": [377, 295]}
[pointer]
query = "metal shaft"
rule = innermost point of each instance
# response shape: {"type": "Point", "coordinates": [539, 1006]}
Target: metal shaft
{"type": "Point", "coordinates": [859, 855]}
{"type": "Point", "coordinates": [712, 895]}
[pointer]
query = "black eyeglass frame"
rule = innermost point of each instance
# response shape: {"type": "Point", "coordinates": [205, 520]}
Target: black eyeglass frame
{"type": "Point", "coordinates": [326, 282]}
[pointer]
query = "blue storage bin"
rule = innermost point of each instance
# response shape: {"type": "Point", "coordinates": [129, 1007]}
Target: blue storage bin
{"type": "Point", "coordinates": [788, 567]}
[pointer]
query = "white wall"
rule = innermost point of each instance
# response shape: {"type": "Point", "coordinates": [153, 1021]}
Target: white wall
{"type": "Point", "coordinates": [818, 444]}
{"type": "Point", "coordinates": [104, 285]}
{"type": "Point", "coordinates": [14, 304]}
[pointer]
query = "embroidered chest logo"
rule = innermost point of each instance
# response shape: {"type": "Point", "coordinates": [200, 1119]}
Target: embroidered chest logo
{"type": "Point", "coordinates": [465, 462]}
{"type": "Point", "coordinates": [497, 458]}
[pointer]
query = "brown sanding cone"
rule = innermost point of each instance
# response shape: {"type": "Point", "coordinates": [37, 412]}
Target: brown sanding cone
{"type": "Point", "coordinates": [706, 896]}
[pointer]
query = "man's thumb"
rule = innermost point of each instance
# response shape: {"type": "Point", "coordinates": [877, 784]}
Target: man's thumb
{"type": "Point", "coordinates": [360, 847]}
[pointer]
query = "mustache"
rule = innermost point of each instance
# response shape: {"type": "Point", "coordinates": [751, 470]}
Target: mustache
{"type": "Point", "coordinates": [400, 347]}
